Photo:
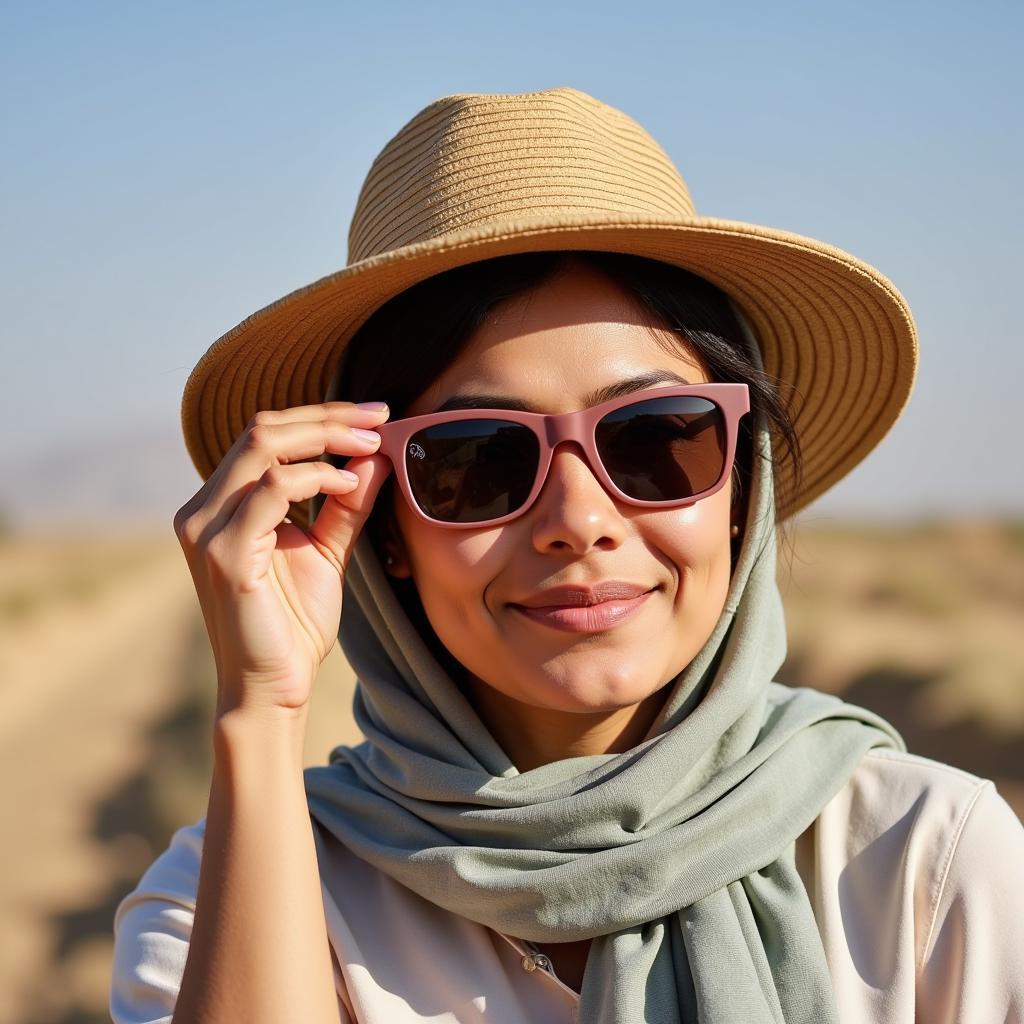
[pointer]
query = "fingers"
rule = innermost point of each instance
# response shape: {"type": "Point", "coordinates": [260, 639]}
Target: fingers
{"type": "Point", "coordinates": [282, 437]}
{"type": "Point", "coordinates": [277, 624]}
{"type": "Point", "coordinates": [266, 504]}
{"type": "Point", "coordinates": [343, 514]}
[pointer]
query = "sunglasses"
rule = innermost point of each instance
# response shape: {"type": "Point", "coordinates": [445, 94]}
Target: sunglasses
{"type": "Point", "coordinates": [658, 448]}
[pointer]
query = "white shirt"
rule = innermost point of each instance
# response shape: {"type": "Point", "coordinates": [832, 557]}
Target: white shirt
{"type": "Point", "coordinates": [915, 871]}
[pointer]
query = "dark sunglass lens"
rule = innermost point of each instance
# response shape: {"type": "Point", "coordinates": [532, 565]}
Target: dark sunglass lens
{"type": "Point", "coordinates": [470, 471]}
{"type": "Point", "coordinates": [663, 449]}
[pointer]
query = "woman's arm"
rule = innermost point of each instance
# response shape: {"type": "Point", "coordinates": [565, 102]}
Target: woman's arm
{"type": "Point", "coordinates": [258, 950]}
{"type": "Point", "coordinates": [271, 597]}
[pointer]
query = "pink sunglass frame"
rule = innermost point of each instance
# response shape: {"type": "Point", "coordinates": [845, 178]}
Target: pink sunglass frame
{"type": "Point", "coordinates": [552, 430]}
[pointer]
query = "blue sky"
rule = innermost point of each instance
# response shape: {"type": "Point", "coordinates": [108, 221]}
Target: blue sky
{"type": "Point", "coordinates": [171, 168]}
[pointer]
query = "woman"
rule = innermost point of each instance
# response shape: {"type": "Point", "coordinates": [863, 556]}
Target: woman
{"type": "Point", "coordinates": [552, 555]}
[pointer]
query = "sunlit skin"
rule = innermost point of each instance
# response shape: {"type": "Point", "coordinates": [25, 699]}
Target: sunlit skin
{"type": "Point", "coordinates": [546, 694]}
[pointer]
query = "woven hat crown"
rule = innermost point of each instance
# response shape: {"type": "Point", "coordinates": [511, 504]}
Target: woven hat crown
{"type": "Point", "coordinates": [473, 159]}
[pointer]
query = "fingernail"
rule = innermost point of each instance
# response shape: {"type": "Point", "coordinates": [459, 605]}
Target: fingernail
{"type": "Point", "coordinates": [366, 435]}
{"type": "Point", "coordinates": [349, 476]}
{"type": "Point", "coordinates": [372, 406]}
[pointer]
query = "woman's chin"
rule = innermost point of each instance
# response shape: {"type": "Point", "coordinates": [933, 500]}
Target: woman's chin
{"type": "Point", "coordinates": [582, 696]}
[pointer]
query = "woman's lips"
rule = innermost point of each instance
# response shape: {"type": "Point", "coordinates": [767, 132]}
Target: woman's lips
{"type": "Point", "coordinates": [585, 618]}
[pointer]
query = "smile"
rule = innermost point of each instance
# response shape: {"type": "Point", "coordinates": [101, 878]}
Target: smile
{"type": "Point", "coordinates": [592, 618]}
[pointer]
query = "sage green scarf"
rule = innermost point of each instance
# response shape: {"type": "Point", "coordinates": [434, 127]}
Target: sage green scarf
{"type": "Point", "coordinates": [676, 857]}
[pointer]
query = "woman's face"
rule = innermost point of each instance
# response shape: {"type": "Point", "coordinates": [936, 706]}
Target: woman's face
{"type": "Point", "coordinates": [549, 348]}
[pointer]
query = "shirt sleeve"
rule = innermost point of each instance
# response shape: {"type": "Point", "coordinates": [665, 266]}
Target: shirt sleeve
{"type": "Point", "coordinates": [152, 929]}
{"type": "Point", "coordinates": [973, 963]}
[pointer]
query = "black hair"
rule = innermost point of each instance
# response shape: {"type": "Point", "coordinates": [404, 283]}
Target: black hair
{"type": "Point", "coordinates": [413, 338]}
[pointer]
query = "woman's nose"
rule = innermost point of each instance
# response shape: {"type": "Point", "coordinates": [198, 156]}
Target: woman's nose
{"type": "Point", "coordinates": [573, 511]}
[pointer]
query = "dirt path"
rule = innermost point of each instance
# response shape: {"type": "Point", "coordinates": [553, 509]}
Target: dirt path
{"type": "Point", "coordinates": [85, 685]}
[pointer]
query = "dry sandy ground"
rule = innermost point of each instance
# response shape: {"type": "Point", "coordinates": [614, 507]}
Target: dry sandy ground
{"type": "Point", "coordinates": [106, 682]}
{"type": "Point", "coordinates": [80, 684]}
{"type": "Point", "coordinates": [87, 677]}
{"type": "Point", "coordinates": [925, 627]}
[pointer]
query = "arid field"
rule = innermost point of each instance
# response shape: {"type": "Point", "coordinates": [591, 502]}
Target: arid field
{"type": "Point", "coordinates": [107, 685]}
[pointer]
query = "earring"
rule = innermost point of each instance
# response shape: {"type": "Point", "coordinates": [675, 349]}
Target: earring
{"type": "Point", "coordinates": [388, 560]}
{"type": "Point", "coordinates": [735, 531]}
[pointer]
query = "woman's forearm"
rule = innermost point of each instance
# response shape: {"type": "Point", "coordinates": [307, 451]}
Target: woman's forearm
{"type": "Point", "coordinates": [259, 951]}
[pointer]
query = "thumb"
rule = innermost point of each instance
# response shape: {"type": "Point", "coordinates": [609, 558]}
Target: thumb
{"type": "Point", "coordinates": [342, 516]}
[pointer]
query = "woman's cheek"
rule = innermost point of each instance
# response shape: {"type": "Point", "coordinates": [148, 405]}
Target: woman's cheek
{"type": "Point", "coordinates": [697, 537]}
{"type": "Point", "coordinates": [451, 568]}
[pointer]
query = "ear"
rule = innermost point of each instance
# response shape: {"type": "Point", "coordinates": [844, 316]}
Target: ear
{"type": "Point", "coordinates": [738, 508]}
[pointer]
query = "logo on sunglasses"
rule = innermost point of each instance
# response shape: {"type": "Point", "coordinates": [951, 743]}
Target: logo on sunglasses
{"type": "Point", "coordinates": [417, 451]}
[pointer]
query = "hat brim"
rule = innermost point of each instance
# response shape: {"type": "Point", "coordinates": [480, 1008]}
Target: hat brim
{"type": "Point", "coordinates": [832, 329]}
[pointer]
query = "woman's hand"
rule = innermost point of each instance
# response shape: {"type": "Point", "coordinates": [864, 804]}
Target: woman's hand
{"type": "Point", "coordinates": [271, 592]}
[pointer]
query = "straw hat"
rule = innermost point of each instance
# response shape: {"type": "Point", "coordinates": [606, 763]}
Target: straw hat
{"type": "Point", "coordinates": [474, 176]}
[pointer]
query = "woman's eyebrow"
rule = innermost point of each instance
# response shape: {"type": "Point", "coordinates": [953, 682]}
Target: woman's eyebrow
{"type": "Point", "coordinates": [605, 394]}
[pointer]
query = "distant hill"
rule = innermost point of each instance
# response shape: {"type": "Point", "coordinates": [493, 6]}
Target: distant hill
{"type": "Point", "coordinates": [136, 477]}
